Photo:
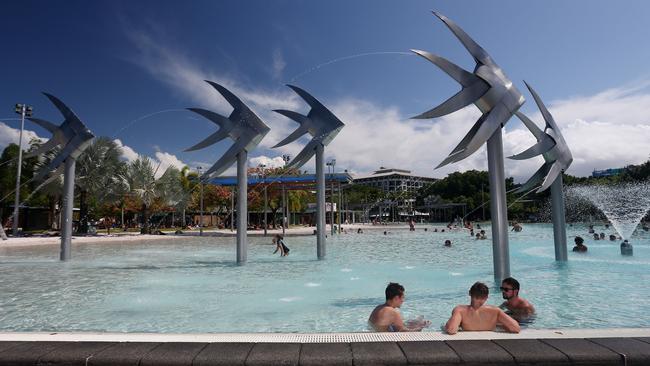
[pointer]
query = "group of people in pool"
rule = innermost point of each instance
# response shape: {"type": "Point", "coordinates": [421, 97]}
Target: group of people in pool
{"type": "Point", "coordinates": [580, 247]}
{"type": "Point", "coordinates": [477, 316]}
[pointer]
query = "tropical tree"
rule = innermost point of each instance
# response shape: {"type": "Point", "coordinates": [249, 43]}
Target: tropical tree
{"type": "Point", "coordinates": [98, 173]}
{"type": "Point", "coordinates": [141, 182]}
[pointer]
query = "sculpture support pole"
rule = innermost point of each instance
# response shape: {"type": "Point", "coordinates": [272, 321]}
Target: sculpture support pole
{"type": "Point", "coordinates": [498, 208]}
{"type": "Point", "coordinates": [68, 203]}
{"type": "Point", "coordinates": [3, 235]}
{"type": "Point", "coordinates": [232, 209]}
{"type": "Point", "coordinates": [320, 201]}
{"type": "Point", "coordinates": [559, 223]}
{"type": "Point", "coordinates": [242, 207]}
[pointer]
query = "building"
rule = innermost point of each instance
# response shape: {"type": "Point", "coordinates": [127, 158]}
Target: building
{"type": "Point", "coordinates": [607, 172]}
{"type": "Point", "coordinates": [400, 184]}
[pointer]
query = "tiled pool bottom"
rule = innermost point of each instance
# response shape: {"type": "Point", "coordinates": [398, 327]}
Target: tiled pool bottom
{"type": "Point", "coordinates": [192, 285]}
{"type": "Point", "coordinates": [532, 347]}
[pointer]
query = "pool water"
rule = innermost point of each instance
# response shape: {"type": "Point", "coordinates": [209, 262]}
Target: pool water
{"type": "Point", "coordinates": [185, 285]}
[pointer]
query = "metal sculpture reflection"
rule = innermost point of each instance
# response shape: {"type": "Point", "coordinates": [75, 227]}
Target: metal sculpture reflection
{"type": "Point", "coordinates": [498, 99]}
{"type": "Point", "coordinates": [72, 137]}
{"type": "Point", "coordinates": [247, 130]}
{"type": "Point", "coordinates": [557, 159]}
{"type": "Point", "coordinates": [323, 125]}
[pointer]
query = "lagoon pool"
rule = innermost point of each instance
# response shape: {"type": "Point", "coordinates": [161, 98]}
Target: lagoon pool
{"type": "Point", "coordinates": [192, 284]}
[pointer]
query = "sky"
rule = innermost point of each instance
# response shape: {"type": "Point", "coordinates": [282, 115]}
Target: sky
{"type": "Point", "coordinates": [129, 70]}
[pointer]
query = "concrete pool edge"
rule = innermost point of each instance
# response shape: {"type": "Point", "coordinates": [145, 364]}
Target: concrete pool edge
{"type": "Point", "coordinates": [553, 347]}
{"type": "Point", "coordinates": [367, 337]}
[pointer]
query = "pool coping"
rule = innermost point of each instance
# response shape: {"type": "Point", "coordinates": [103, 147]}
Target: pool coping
{"type": "Point", "coordinates": [369, 337]}
{"type": "Point", "coordinates": [531, 347]}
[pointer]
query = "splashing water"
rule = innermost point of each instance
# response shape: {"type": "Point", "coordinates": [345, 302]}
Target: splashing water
{"type": "Point", "coordinates": [347, 58]}
{"type": "Point", "coordinates": [624, 204]}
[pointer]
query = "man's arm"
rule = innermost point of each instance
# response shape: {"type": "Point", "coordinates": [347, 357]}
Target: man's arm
{"type": "Point", "coordinates": [454, 322]}
{"type": "Point", "coordinates": [507, 322]}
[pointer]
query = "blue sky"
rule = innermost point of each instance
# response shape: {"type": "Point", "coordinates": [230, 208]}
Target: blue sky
{"type": "Point", "coordinates": [129, 68]}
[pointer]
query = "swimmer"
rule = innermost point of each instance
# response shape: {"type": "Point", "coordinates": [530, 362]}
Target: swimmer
{"type": "Point", "coordinates": [580, 246]}
{"type": "Point", "coordinates": [518, 307]}
{"type": "Point", "coordinates": [596, 236]}
{"type": "Point", "coordinates": [425, 229]}
{"type": "Point", "coordinates": [279, 245]}
{"type": "Point", "coordinates": [516, 227]}
{"type": "Point", "coordinates": [602, 236]}
{"type": "Point", "coordinates": [626, 248]}
{"type": "Point", "coordinates": [483, 234]}
{"type": "Point", "coordinates": [612, 237]}
{"type": "Point", "coordinates": [447, 243]}
{"type": "Point", "coordinates": [387, 318]}
{"type": "Point", "coordinates": [359, 231]}
{"type": "Point", "coordinates": [479, 317]}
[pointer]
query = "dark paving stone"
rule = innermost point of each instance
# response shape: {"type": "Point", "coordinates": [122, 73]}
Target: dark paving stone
{"type": "Point", "coordinates": [643, 339]}
{"type": "Point", "coordinates": [429, 353]}
{"type": "Point", "coordinates": [481, 353]}
{"type": "Point", "coordinates": [274, 354]}
{"type": "Point", "coordinates": [532, 351]}
{"type": "Point", "coordinates": [27, 353]}
{"type": "Point", "coordinates": [231, 354]}
{"type": "Point", "coordinates": [8, 345]}
{"type": "Point", "coordinates": [73, 353]}
{"type": "Point", "coordinates": [583, 352]}
{"type": "Point", "coordinates": [324, 354]}
{"type": "Point", "coordinates": [377, 353]}
{"type": "Point", "coordinates": [172, 354]}
{"type": "Point", "coordinates": [126, 353]}
{"type": "Point", "coordinates": [635, 351]}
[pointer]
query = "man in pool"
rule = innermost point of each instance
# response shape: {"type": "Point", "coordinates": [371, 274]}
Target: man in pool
{"type": "Point", "coordinates": [479, 317]}
{"type": "Point", "coordinates": [580, 246]}
{"type": "Point", "coordinates": [518, 307]}
{"type": "Point", "coordinates": [387, 318]}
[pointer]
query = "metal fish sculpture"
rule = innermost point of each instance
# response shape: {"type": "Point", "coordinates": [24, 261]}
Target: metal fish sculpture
{"type": "Point", "coordinates": [320, 123]}
{"type": "Point", "coordinates": [550, 144]}
{"type": "Point", "coordinates": [72, 136]}
{"type": "Point", "coordinates": [243, 126]}
{"type": "Point", "coordinates": [487, 87]}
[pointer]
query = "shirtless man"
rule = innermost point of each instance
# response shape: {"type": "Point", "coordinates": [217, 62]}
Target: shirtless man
{"type": "Point", "coordinates": [518, 307]}
{"type": "Point", "coordinates": [386, 317]}
{"type": "Point", "coordinates": [479, 317]}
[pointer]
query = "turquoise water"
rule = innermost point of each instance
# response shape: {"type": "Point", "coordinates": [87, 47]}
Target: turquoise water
{"type": "Point", "coordinates": [193, 284]}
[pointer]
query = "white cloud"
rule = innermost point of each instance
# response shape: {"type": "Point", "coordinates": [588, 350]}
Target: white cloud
{"type": "Point", "coordinates": [161, 160]}
{"type": "Point", "coordinates": [278, 64]}
{"type": "Point", "coordinates": [128, 153]}
{"type": "Point", "coordinates": [10, 135]}
{"type": "Point", "coordinates": [609, 129]}
{"type": "Point", "coordinates": [275, 162]}
{"type": "Point", "coordinates": [165, 160]}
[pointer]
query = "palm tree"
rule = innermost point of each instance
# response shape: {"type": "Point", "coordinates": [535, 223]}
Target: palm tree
{"type": "Point", "coordinates": [141, 180]}
{"type": "Point", "coordinates": [97, 176]}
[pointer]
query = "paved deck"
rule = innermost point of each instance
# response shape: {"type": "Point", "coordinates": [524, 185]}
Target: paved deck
{"type": "Point", "coordinates": [548, 347]}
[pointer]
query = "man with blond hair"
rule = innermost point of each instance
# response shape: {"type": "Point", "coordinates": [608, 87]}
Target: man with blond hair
{"type": "Point", "coordinates": [477, 316]}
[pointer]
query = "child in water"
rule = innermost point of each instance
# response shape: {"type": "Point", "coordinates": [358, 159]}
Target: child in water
{"type": "Point", "coordinates": [279, 245]}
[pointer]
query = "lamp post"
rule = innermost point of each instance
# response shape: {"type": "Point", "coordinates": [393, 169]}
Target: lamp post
{"type": "Point", "coordinates": [286, 158]}
{"type": "Point", "coordinates": [201, 204]}
{"type": "Point", "coordinates": [23, 110]}
{"type": "Point", "coordinates": [262, 166]}
{"type": "Point", "coordinates": [332, 163]}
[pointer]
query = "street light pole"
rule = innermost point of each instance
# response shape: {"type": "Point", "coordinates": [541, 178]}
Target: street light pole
{"type": "Point", "coordinates": [286, 159]}
{"type": "Point", "coordinates": [23, 110]}
{"type": "Point", "coordinates": [201, 205]}
{"type": "Point", "coordinates": [262, 166]}
{"type": "Point", "coordinates": [332, 163]}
